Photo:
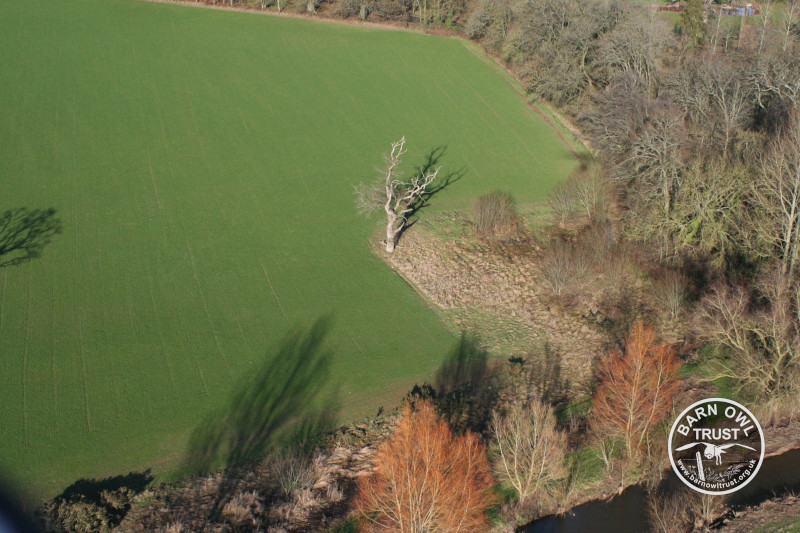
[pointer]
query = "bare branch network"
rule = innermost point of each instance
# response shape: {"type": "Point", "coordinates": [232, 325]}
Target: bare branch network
{"type": "Point", "coordinates": [398, 198]}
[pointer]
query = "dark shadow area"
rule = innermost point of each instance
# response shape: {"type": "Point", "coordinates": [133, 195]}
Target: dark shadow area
{"type": "Point", "coordinates": [463, 388]}
{"type": "Point", "coordinates": [284, 403]}
{"type": "Point", "coordinates": [779, 476]}
{"type": "Point", "coordinates": [279, 403]}
{"type": "Point", "coordinates": [25, 232]}
{"type": "Point", "coordinates": [93, 488]}
{"type": "Point", "coordinates": [93, 504]}
{"type": "Point", "coordinates": [431, 161]}
{"type": "Point", "coordinates": [542, 371]}
{"type": "Point", "coordinates": [13, 515]}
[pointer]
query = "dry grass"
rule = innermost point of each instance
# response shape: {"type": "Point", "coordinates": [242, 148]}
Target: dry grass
{"type": "Point", "coordinates": [243, 509]}
{"type": "Point", "coordinates": [293, 471]}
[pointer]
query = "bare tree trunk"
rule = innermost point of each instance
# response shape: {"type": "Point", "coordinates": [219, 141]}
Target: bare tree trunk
{"type": "Point", "coordinates": [391, 234]}
{"type": "Point", "coordinates": [789, 21]}
{"type": "Point", "coordinates": [766, 11]}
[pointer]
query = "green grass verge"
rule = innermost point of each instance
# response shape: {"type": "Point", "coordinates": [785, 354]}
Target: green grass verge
{"type": "Point", "coordinates": [789, 525]}
{"type": "Point", "coordinates": [202, 165]}
{"type": "Point", "coordinates": [706, 365]}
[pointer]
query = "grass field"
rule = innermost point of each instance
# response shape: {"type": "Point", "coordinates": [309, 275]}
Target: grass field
{"type": "Point", "coordinates": [201, 164]}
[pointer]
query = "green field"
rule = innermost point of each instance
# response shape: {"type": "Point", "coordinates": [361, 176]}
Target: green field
{"type": "Point", "coordinates": [201, 164]}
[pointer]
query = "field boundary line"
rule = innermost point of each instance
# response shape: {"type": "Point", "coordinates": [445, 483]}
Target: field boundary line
{"type": "Point", "coordinates": [494, 112]}
{"type": "Point", "coordinates": [512, 82]}
{"type": "Point", "coordinates": [161, 340]}
{"type": "Point", "coordinates": [106, 321]}
{"type": "Point", "coordinates": [53, 370]}
{"type": "Point", "coordinates": [352, 338]}
{"type": "Point", "coordinates": [298, 16]}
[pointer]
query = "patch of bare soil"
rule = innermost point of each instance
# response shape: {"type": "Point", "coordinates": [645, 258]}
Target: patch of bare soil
{"type": "Point", "coordinates": [478, 282]}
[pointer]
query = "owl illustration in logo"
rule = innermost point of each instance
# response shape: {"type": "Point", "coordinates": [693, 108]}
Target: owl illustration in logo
{"type": "Point", "coordinates": [713, 450]}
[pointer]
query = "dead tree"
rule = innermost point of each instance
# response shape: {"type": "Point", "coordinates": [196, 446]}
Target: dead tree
{"type": "Point", "coordinates": [397, 198]}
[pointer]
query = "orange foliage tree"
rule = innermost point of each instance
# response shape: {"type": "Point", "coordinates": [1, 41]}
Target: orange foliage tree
{"type": "Point", "coordinates": [426, 480]}
{"type": "Point", "coordinates": [635, 389]}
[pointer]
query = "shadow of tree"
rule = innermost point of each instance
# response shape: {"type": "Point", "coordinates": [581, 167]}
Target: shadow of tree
{"type": "Point", "coordinates": [93, 504]}
{"type": "Point", "coordinates": [92, 488]}
{"type": "Point", "coordinates": [544, 379]}
{"type": "Point", "coordinates": [15, 511]}
{"type": "Point", "coordinates": [430, 162]}
{"type": "Point", "coordinates": [25, 232]}
{"type": "Point", "coordinates": [463, 389]}
{"type": "Point", "coordinates": [432, 159]}
{"type": "Point", "coordinates": [284, 403]}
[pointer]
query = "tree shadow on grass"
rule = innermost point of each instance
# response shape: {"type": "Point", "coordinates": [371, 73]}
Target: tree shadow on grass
{"type": "Point", "coordinates": [463, 389]}
{"type": "Point", "coordinates": [285, 402]}
{"type": "Point", "coordinates": [430, 162]}
{"type": "Point", "coordinates": [93, 488]}
{"type": "Point", "coordinates": [25, 232]}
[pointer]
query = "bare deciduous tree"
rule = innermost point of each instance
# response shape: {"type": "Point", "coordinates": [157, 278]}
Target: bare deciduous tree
{"type": "Point", "coordinates": [776, 77]}
{"type": "Point", "coordinates": [585, 192]}
{"type": "Point", "coordinates": [636, 47]}
{"type": "Point", "coordinates": [672, 290]}
{"type": "Point", "coordinates": [655, 156]}
{"type": "Point", "coordinates": [564, 267]}
{"type": "Point", "coordinates": [495, 214]}
{"type": "Point", "coordinates": [715, 95]}
{"type": "Point", "coordinates": [397, 198]}
{"type": "Point", "coordinates": [763, 339]}
{"type": "Point", "coordinates": [529, 449]}
{"type": "Point", "coordinates": [790, 22]}
{"type": "Point", "coordinates": [776, 194]}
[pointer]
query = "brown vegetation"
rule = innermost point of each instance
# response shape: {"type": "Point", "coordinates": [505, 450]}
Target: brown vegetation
{"type": "Point", "coordinates": [635, 389]}
{"type": "Point", "coordinates": [426, 479]}
{"type": "Point", "coordinates": [495, 215]}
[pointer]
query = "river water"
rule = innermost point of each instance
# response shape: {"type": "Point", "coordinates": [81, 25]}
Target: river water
{"type": "Point", "coordinates": [627, 513]}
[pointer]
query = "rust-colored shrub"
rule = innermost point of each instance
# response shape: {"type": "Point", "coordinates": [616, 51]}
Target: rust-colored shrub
{"type": "Point", "coordinates": [635, 389]}
{"type": "Point", "coordinates": [426, 479]}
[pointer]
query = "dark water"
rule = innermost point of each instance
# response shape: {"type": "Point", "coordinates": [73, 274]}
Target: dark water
{"type": "Point", "coordinates": [739, 11]}
{"type": "Point", "coordinates": [627, 513]}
